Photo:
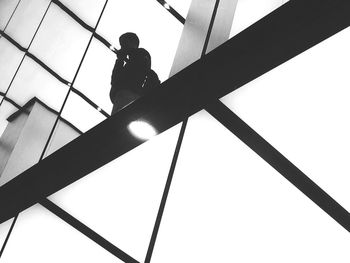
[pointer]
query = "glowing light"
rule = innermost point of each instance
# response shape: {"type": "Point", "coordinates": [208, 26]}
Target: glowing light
{"type": "Point", "coordinates": [142, 130]}
{"type": "Point", "coordinates": [167, 6]}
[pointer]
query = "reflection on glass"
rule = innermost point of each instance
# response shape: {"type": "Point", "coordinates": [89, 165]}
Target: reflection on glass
{"type": "Point", "coordinates": [10, 58]}
{"type": "Point", "coordinates": [301, 108]}
{"type": "Point", "coordinates": [94, 78]}
{"type": "Point", "coordinates": [60, 42]}
{"type": "Point", "coordinates": [181, 7]}
{"type": "Point", "coordinates": [39, 236]}
{"type": "Point", "coordinates": [158, 36]}
{"type": "Point", "coordinates": [26, 20]}
{"type": "Point", "coordinates": [127, 191]}
{"type": "Point", "coordinates": [6, 9]}
{"type": "Point", "coordinates": [33, 81]}
{"type": "Point", "coordinates": [228, 205]}
{"type": "Point", "coordinates": [87, 10]}
{"type": "Point", "coordinates": [80, 113]}
{"type": "Point", "coordinates": [250, 11]}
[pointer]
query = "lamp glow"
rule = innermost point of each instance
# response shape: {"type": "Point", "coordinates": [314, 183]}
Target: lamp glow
{"type": "Point", "coordinates": [142, 130]}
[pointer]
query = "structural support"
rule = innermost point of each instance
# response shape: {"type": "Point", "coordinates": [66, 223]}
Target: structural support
{"type": "Point", "coordinates": [285, 33]}
{"type": "Point", "coordinates": [87, 231]}
{"type": "Point", "coordinates": [197, 39]}
{"type": "Point", "coordinates": [280, 163]}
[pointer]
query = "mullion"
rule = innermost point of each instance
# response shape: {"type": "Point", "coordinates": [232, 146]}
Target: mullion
{"type": "Point", "coordinates": [60, 112]}
{"type": "Point", "coordinates": [172, 11]}
{"type": "Point", "coordinates": [280, 163]}
{"type": "Point", "coordinates": [49, 70]}
{"type": "Point", "coordinates": [176, 153]}
{"type": "Point", "coordinates": [13, 12]}
{"type": "Point", "coordinates": [10, 100]}
{"type": "Point", "coordinates": [71, 84]}
{"type": "Point", "coordinates": [88, 232]}
{"type": "Point", "coordinates": [8, 235]}
{"type": "Point", "coordinates": [26, 49]}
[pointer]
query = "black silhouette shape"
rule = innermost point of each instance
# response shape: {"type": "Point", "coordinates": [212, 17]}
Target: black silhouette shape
{"type": "Point", "coordinates": [132, 76]}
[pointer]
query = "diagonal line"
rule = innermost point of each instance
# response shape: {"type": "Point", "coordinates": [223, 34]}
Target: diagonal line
{"type": "Point", "coordinates": [165, 193]}
{"type": "Point", "coordinates": [268, 43]}
{"type": "Point", "coordinates": [10, 100]}
{"type": "Point", "coordinates": [87, 231]}
{"type": "Point", "coordinates": [280, 163]}
{"type": "Point", "coordinates": [73, 15]}
{"type": "Point", "coordinates": [8, 235]}
{"type": "Point", "coordinates": [12, 14]}
{"type": "Point", "coordinates": [73, 81]}
{"type": "Point", "coordinates": [172, 11]}
{"type": "Point", "coordinates": [25, 49]}
{"type": "Point", "coordinates": [49, 70]}
{"type": "Point", "coordinates": [176, 154]}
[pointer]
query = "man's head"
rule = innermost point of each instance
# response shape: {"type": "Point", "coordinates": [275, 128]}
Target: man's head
{"type": "Point", "coordinates": [129, 40]}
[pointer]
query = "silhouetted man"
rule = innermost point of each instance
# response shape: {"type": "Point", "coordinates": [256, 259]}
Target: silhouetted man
{"type": "Point", "coordinates": [130, 73]}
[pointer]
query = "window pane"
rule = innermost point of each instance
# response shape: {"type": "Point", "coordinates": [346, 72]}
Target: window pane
{"type": "Point", "coordinates": [228, 205]}
{"type": "Point", "coordinates": [25, 137]}
{"type": "Point", "coordinates": [60, 43]}
{"type": "Point", "coordinates": [4, 229]}
{"type": "Point", "coordinates": [6, 9]}
{"type": "Point", "coordinates": [26, 20]}
{"type": "Point", "coordinates": [80, 113]}
{"type": "Point", "coordinates": [10, 57]}
{"type": "Point", "coordinates": [159, 36]}
{"type": "Point", "coordinates": [121, 199]}
{"type": "Point", "coordinates": [94, 79]}
{"type": "Point", "coordinates": [64, 133]}
{"type": "Point", "coordinates": [77, 117]}
{"type": "Point", "coordinates": [250, 11]}
{"type": "Point", "coordinates": [39, 236]}
{"type": "Point", "coordinates": [33, 81]}
{"type": "Point", "coordinates": [87, 10]}
{"type": "Point", "coordinates": [6, 109]}
{"type": "Point", "coordinates": [302, 108]}
{"type": "Point", "coordinates": [42, 95]}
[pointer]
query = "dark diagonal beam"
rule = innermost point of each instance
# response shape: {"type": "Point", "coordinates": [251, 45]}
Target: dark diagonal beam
{"type": "Point", "coordinates": [52, 207]}
{"type": "Point", "coordinates": [283, 34]}
{"type": "Point", "coordinates": [280, 163]}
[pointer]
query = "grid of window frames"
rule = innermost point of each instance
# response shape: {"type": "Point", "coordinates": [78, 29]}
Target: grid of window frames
{"type": "Point", "coordinates": [62, 52]}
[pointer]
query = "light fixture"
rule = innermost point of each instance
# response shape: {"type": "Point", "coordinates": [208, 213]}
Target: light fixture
{"type": "Point", "coordinates": [142, 129]}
